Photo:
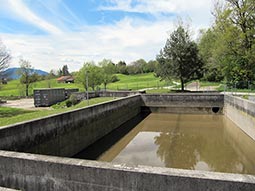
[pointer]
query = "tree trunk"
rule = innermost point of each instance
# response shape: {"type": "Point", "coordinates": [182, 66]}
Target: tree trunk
{"type": "Point", "coordinates": [27, 90]}
{"type": "Point", "coordinates": [182, 85]}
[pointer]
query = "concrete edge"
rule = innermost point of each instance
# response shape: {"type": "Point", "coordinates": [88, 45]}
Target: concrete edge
{"type": "Point", "coordinates": [193, 174]}
{"type": "Point", "coordinates": [7, 189]}
{"type": "Point", "coordinates": [66, 112]}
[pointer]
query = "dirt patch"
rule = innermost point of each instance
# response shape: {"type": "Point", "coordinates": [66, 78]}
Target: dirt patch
{"type": "Point", "coordinates": [23, 104]}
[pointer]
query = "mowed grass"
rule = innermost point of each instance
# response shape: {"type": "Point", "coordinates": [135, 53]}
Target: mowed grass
{"type": "Point", "coordinates": [14, 115]}
{"type": "Point", "coordinates": [133, 82]}
{"type": "Point", "coordinates": [136, 82]}
{"type": "Point", "coordinates": [14, 88]}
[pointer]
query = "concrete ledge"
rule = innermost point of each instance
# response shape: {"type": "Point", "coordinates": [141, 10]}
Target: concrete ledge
{"type": "Point", "coordinates": [183, 110]}
{"type": "Point", "coordinates": [241, 112]}
{"type": "Point", "coordinates": [187, 103]}
{"type": "Point", "coordinates": [68, 133]}
{"type": "Point", "coordinates": [7, 189]}
{"type": "Point", "coordinates": [38, 172]}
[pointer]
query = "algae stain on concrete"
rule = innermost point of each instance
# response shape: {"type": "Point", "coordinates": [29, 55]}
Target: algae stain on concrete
{"type": "Point", "coordinates": [197, 142]}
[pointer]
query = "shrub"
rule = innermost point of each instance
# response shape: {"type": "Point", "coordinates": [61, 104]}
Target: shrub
{"type": "Point", "coordinates": [68, 103]}
{"type": "Point", "coordinates": [74, 99]}
{"type": "Point", "coordinates": [114, 78]}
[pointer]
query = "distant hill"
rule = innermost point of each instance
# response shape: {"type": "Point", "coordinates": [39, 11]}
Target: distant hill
{"type": "Point", "coordinates": [12, 73]}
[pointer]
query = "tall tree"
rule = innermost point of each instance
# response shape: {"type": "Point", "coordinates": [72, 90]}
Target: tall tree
{"type": "Point", "coordinates": [179, 58]}
{"type": "Point", "coordinates": [207, 45]}
{"type": "Point", "coordinates": [28, 76]}
{"type": "Point", "coordinates": [5, 58]}
{"type": "Point", "coordinates": [65, 71]}
{"type": "Point", "coordinates": [108, 69]}
{"type": "Point", "coordinates": [233, 44]}
{"type": "Point", "coordinates": [122, 67]}
{"type": "Point", "coordinates": [92, 73]}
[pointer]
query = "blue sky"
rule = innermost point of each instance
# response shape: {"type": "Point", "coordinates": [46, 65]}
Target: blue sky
{"type": "Point", "coordinates": [51, 33]}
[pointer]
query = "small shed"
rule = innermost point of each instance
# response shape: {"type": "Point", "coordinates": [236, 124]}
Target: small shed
{"type": "Point", "coordinates": [48, 96]}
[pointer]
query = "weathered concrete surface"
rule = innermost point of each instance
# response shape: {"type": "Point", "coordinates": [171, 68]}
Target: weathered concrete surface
{"type": "Point", "coordinates": [83, 95]}
{"type": "Point", "coordinates": [68, 133]}
{"type": "Point", "coordinates": [31, 172]}
{"type": "Point", "coordinates": [188, 103]}
{"type": "Point", "coordinates": [241, 112]}
{"type": "Point", "coordinates": [7, 189]}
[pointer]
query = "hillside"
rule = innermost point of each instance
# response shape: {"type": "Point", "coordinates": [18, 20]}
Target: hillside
{"type": "Point", "coordinates": [12, 73]}
{"type": "Point", "coordinates": [134, 82]}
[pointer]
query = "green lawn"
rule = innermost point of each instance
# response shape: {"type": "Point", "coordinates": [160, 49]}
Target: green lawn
{"type": "Point", "coordinates": [136, 82]}
{"type": "Point", "coordinates": [14, 88]}
{"type": "Point", "coordinates": [13, 115]}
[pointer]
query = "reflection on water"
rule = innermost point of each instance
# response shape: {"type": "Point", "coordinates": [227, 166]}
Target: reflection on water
{"type": "Point", "coordinates": [200, 142]}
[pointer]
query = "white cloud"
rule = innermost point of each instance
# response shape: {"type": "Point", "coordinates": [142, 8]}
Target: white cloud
{"type": "Point", "coordinates": [129, 39]}
{"type": "Point", "coordinates": [23, 12]}
{"type": "Point", "coordinates": [152, 6]}
{"type": "Point", "coordinates": [122, 41]}
{"type": "Point", "coordinates": [198, 10]}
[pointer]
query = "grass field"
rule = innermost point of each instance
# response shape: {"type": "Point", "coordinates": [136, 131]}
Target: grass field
{"type": "Point", "coordinates": [134, 82]}
{"type": "Point", "coordinates": [13, 115]}
{"type": "Point", "coordinates": [14, 88]}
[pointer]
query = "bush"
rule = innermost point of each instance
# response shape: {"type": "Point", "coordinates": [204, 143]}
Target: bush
{"type": "Point", "coordinates": [74, 99]}
{"type": "Point", "coordinates": [68, 103]}
{"type": "Point", "coordinates": [115, 78]}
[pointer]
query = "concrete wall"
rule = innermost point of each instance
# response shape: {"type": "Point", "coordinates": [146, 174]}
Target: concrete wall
{"type": "Point", "coordinates": [241, 112]}
{"type": "Point", "coordinates": [83, 95]}
{"type": "Point", "coordinates": [68, 133]}
{"type": "Point", "coordinates": [31, 172]}
{"type": "Point", "coordinates": [184, 103]}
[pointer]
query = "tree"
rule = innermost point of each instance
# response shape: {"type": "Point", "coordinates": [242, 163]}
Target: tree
{"type": "Point", "coordinates": [91, 72]}
{"type": "Point", "coordinates": [5, 58]}
{"type": "Point", "coordinates": [28, 76]}
{"type": "Point", "coordinates": [207, 45]}
{"type": "Point", "coordinates": [65, 71]}
{"type": "Point", "coordinates": [108, 69]}
{"type": "Point", "coordinates": [179, 58]}
{"type": "Point", "coordinates": [232, 43]}
{"type": "Point", "coordinates": [122, 67]}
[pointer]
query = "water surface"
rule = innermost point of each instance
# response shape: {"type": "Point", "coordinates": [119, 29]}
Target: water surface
{"type": "Point", "coordinates": [198, 142]}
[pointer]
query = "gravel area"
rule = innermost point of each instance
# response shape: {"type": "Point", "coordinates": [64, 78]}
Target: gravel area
{"type": "Point", "coordinates": [24, 104]}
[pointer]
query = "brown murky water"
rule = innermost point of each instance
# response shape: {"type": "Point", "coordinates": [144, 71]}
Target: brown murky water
{"type": "Point", "coordinates": [198, 142]}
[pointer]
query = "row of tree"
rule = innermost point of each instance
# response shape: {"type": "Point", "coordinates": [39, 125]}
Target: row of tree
{"type": "Point", "coordinates": [228, 47]}
{"type": "Point", "coordinates": [225, 51]}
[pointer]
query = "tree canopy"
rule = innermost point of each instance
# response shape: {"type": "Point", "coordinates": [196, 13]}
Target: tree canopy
{"type": "Point", "coordinates": [28, 76]}
{"type": "Point", "coordinates": [5, 57]}
{"type": "Point", "coordinates": [92, 73]}
{"type": "Point", "coordinates": [228, 47]}
{"type": "Point", "coordinates": [179, 59]}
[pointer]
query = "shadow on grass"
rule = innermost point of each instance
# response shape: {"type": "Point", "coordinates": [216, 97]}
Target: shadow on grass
{"type": "Point", "coordinates": [10, 112]}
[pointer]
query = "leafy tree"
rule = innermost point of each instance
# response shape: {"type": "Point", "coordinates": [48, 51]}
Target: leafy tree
{"type": "Point", "coordinates": [65, 71]}
{"type": "Point", "coordinates": [91, 72]}
{"type": "Point", "coordinates": [179, 58]}
{"type": "Point", "coordinates": [5, 58]}
{"type": "Point", "coordinates": [233, 43]}
{"type": "Point", "coordinates": [28, 76]}
{"type": "Point", "coordinates": [108, 69]}
{"type": "Point", "coordinates": [122, 67]}
{"type": "Point", "coordinates": [152, 66]}
{"type": "Point", "coordinates": [207, 45]}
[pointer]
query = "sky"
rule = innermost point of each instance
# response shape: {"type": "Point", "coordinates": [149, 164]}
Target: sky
{"type": "Point", "coordinates": [53, 33]}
